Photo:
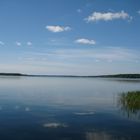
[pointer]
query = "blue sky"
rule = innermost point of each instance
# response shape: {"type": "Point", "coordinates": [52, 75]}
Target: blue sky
{"type": "Point", "coordinates": [80, 37]}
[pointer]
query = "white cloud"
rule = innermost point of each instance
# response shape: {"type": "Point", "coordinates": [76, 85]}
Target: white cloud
{"type": "Point", "coordinates": [85, 41]}
{"type": "Point", "coordinates": [107, 54]}
{"type": "Point", "coordinates": [18, 44]}
{"type": "Point", "coordinates": [29, 43]}
{"type": "Point", "coordinates": [108, 16]}
{"type": "Point", "coordinates": [57, 29]}
{"type": "Point", "coordinates": [139, 12]}
{"type": "Point", "coordinates": [2, 43]}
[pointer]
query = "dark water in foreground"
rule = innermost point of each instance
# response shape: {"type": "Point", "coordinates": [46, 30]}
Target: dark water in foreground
{"type": "Point", "coordinates": [37, 108]}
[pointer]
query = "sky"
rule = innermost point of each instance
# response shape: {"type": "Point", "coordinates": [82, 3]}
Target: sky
{"type": "Point", "coordinates": [70, 37]}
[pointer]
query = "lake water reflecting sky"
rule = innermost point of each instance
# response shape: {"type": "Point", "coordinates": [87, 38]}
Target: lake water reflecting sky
{"type": "Point", "coordinates": [59, 108]}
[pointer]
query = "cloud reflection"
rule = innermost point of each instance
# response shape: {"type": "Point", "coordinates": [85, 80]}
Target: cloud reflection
{"type": "Point", "coordinates": [84, 113]}
{"type": "Point", "coordinates": [0, 108]}
{"type": "Point", "coordinates": [27, 109]}
{"type": "Point", "coordinates": [55, 125]}
{"type": "Point", "coordinates": [104, 136]}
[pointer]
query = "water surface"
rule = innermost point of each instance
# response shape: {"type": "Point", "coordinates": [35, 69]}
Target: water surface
{"type": "Point", "coordinates": [62, 108]}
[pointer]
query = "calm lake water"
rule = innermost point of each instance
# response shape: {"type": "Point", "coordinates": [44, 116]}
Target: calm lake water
{"type": "Point", "coordinates": [57, 108]}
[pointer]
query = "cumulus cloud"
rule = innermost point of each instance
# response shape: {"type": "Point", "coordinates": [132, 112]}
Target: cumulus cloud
{"type": "Point", "coordinates": [57, 29]}
{"type": "Point", "coordinates": [18, 44]}
{"type": "Point", "coordinates": [29, 43]}
{"type": "Point", "coordinates": [2, 43]}
{"type": "Point", "coordinates": [108, 16]}
{"type": "Point", "coordinates": [85, 41]}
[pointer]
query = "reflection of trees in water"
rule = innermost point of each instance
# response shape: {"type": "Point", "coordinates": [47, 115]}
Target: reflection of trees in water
{"type": "Point", "coordinates": [130, 103]}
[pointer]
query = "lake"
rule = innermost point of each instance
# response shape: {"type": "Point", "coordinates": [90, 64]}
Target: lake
{"type": "Point", "coordinates": [67, 108]}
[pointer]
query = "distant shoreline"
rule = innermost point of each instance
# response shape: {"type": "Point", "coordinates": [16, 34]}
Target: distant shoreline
{"type": "Point", "coordinates": [88, 76]}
